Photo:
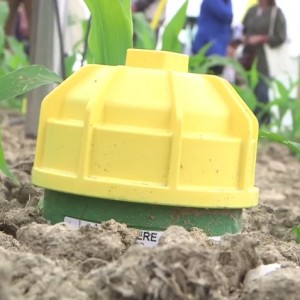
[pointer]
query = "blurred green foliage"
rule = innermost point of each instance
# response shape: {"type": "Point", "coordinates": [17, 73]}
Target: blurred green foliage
{"type": "Point", "coordinates": [113, 30]}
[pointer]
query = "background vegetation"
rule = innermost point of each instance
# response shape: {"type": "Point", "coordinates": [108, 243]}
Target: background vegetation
{"type": "Point", "coordinates": [112, 31]}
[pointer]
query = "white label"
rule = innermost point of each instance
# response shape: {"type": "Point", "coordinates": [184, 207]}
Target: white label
{"type": "Point", "coordinates": [149, 238]}
{"type": "Point", "coordinates": [146, 237]}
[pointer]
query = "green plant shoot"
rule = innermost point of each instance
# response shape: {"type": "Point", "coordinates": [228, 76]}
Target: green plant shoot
{"type": "Point", "coordinates": [24, 80]}
{"type": "Point", "coordinates": [111, 30]}
{"type": "Point", "coordinates": [278, 138]}
{"type": "Point", "coordinates": [144, 36]}
{"type": "Point", "coordinates": [296, 232]}
{"type": "Point", "coordinates": [3, 166]}
{"type": "Point", "coordinates": [170, 40]}
{"type": "Point", "coordinates": [3, 17]}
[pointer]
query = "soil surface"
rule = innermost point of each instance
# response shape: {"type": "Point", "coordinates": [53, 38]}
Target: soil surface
{"type": "Point", "coordinates": [41, 261]}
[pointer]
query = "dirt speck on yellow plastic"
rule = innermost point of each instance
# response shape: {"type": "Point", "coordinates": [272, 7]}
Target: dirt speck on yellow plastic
{"type": "Point", "coordinates": [148, 132]}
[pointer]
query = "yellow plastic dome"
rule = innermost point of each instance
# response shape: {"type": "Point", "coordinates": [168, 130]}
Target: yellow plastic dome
{"type": "Point", "coordinates": [148, 132]}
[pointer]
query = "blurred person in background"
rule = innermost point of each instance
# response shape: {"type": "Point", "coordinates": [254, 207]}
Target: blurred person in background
{"type": "Point", "coordinates": [19, 20]}
{"type": "Point", "coordinates": [256, 32]}
{"type": "Point", "coordinates": [214, 27]}
{"type": "Point", "coordinates": [148, 7]}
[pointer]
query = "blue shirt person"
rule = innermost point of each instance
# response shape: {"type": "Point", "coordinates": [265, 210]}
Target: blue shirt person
{"type": "Point", "coordinates": [214, 27]}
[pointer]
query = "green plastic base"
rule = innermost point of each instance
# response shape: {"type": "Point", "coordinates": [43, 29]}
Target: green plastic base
{"type": "Point", "coordinates": [214, 222]}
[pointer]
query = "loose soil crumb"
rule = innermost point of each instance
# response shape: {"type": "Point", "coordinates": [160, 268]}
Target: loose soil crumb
{"type": "Point", "coordinates": [42, 261]}
{"type": "Point", "coordinates": [278, 285]}
{"type": "Point", "coordinates": [76, 246]}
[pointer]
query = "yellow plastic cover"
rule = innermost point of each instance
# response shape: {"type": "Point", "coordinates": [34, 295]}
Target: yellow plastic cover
{"type": "Point", "coordinates": [148, 132]}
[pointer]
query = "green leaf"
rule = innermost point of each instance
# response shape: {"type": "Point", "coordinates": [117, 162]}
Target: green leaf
{"type": "Point", "coordinates": [253, 75]}
{"type": "Point", "coordinates": [111, 30]}
{"type": "Point", "coordinates": [247, 95]}
{"type": "Point", "coordinates": [283, 91]}
{"type": "Point", "coordinates": [3, 165]}
{"type": "Point", "coordinates": [296, 231]}
{"type": "Point", "coordinates": [69, 64]}
{"type": "Point", "coordinates": [199, 58]}
{"type": "Point", "coordinates": [15, 56]}
{"type": "Point", "coordinates": [4, 11]}
{"type": "Point", "coordinates": [170, 40]}
{"type": "Point", "coordinates": [278, 138]}
{"type": "Point", "coordinates": [144, 36]}
{"type": "Point", "coordinates": [216, 60]}
{"type": "Point", "coordinates": [24, 80]}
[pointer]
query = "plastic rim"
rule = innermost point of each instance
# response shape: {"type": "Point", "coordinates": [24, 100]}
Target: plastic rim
{"type": "Point", "coordinates": [214, 222]}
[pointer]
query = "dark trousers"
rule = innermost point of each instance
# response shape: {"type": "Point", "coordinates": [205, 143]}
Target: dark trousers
{"type": "Point", "coordinates": [262, 94]}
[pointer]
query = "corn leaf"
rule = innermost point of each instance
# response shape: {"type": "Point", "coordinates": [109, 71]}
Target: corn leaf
{"type": "Point", "coordinates": [144, 36]}
{"type": "Point", "coordinates": [3, 16]}
{"type": "Point", "coordinates": [4, 11]}
{"type": "Point", "coordinates": [296, 232]}
{"type": "Point", "coordinates": [111, 30]}
{"type": "Point", "coordinates": [200, 58]}
{"type": "Point", "coordinates": [24, 80]}
{"type": "Point", "coordinates": [253, 75]}
{"type": "Point", "coordinates": [278, 138]}
{"type": "Point", "coordinates": [247, 95]}
{"type": "Point", "coordinates": [3, 165]}
{"type": "Point", "coordinates": [170, 40]}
